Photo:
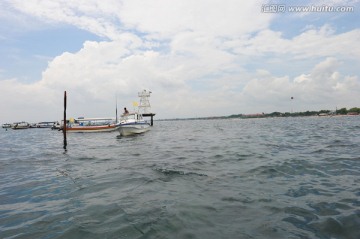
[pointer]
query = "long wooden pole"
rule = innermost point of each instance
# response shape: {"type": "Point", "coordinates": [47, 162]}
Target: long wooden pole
{"type": "Point", "coordinates": [116, 113]}
{"type": "Point", "coordinates": [64, 125]}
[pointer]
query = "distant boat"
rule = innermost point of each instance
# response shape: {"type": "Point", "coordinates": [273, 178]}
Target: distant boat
{"type": "Point", "coordinates": [20, 125]}
{"type": "Point", "coordinates": [132, 123]}
{"type": "Point", "coordinates": [6, 126]}
{"type": "Point", "coordinates": [45, 124]}
{"type": "Point", "coordinates": [56, 125]}
{"type": "Point", "coordinates": [87, 125]}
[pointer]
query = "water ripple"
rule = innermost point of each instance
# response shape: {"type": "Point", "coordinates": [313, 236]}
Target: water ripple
{"type": "Point", "coordinates": [256, 178]}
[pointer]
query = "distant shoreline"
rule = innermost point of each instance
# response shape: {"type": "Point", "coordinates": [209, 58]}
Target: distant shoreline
{"type": "Point", "coordinates": [322, 113]}
{"type": "Point", "coordinates": [264, 117]}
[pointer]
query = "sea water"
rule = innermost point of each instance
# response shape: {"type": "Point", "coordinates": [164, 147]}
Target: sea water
{"type": "Point", "coordinates": [241, 178]}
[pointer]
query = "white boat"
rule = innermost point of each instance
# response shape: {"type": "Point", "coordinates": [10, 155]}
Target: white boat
{"type": "Point", "coordinates": [57, 126]}
{"type": "Point", "coordinates": [6, 126]}
{"type": "Point", "coordinates": [82, 125]}
{"type": "Point", "coordinates": [132, 123]}
{"type": "Point", "coordinates": [20, 125]}
{"type": "Point", "coordinates": [45, 124]}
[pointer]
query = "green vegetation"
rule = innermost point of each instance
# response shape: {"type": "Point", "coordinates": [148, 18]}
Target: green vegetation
{"type": "Point", "coordinates": [355, 110]}
{"type": "Point", "coordinates": [342, 111]}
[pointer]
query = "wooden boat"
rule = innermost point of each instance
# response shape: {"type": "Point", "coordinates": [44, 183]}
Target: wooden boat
{"type": "Point", "coordinates": [86, 125]}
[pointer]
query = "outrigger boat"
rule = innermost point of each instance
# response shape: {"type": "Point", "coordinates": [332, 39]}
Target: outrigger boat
{"type": "Point", "coordinates": [82, 125]}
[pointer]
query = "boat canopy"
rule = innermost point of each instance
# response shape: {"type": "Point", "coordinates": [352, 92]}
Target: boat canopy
{"type": "Point", "coordinates": [94, 119]}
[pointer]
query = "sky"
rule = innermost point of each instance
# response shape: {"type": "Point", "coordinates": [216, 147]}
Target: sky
{"type": "Point", "coordinates": [198, 58]}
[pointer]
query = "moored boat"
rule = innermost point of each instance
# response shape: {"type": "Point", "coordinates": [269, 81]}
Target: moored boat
{"type": "Point", "coordinates": [6, 126]}
{"type": "Point", "coordinates": [57, 126]}
{"type": "Point", "coordinates": [45, 124]}
{"type": "Point", "coordinates": [82, 125]}
{"type": "Point", "coordinates": [20, 125]}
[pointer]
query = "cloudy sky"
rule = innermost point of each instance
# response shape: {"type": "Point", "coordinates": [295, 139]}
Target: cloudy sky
{"type": "Point", "coordinates": [199, 58]}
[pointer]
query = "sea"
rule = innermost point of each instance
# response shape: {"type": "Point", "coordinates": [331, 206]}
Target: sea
{"type": "Point", "coordinates": [222, 178]}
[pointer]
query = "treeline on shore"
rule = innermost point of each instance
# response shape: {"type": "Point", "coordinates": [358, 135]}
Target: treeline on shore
{"type": "Point", "coordinates": [342, 111]}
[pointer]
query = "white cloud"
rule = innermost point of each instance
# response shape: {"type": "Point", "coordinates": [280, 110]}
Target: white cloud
{"type": "Point", "coordinates": [193, 56]}
{"type": "Point", "coordinates": [158, 18]}
{"type": "Point", "coordinates": [21, 101]}
{"type": "Point", "coordinates": [322, 88]}
{"type": "Point", "coordinates": [322, 42]}
{"type": "Point", "coordinates": [92, 15]}
{"type": "Point", "coordinates": [214, 17]}
{"type": "Point", "coordinates": [302, 78]}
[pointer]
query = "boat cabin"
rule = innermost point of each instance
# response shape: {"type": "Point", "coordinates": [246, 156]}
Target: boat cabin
{"type": "Point", "coordinates": [131, 117]}
{"type": "Point", "coordinates": [92, 121]}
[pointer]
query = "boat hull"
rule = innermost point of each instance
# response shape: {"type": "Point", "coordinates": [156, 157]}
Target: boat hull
{"type": "Point", "coordinates": [131, 129]}
{"type": "Point", "coordinates": [91, 129]}
{"type": "Point", "coordinates": [20, 127]}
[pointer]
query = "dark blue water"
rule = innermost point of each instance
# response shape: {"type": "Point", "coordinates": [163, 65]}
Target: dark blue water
{"type": "Point", "coordinates": [253, 178]}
